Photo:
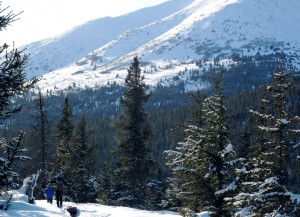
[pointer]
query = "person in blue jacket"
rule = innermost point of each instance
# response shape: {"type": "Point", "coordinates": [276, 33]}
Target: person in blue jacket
{"type": "Point", "coordinates": [49, 193]}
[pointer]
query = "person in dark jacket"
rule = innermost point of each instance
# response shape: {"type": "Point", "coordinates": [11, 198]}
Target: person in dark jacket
{"type": "Point", "coordinates": [59, 191]}
{"type": "Point", "coordinates": [59, 183]}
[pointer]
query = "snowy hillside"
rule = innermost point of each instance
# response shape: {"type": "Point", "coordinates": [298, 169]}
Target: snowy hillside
{"type": "Point", "coordinates": [167, 38]}
{"type": "Point", "coordinates": [70, 47]}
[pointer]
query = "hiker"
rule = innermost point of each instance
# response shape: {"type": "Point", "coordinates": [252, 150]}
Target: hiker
{"type": "Point", "coordinates": [59, 190]}
{"type": "Point", "coordinates": [49, 193]}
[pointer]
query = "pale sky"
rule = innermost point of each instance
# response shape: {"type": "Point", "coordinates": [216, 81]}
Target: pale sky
{"type": "Point", "coordinates": [47, 18]}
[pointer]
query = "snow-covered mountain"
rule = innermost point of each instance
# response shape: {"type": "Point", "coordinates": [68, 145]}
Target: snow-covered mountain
{"type": "Point", "coordinates": [167, 38]}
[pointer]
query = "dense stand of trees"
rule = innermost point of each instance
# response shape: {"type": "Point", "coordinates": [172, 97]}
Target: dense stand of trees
{"type": "Point", "coordinates": [170, 126]}
{"type": "Point", "coordinates": [260, 178]}
{"type": "Point", "coordinates": [75, 156]}
{"type": "Point", "coordinates": [267, 165]}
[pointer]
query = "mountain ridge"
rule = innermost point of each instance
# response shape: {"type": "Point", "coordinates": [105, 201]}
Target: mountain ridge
{"type": "Point", "coordinates": [195, 30]}
{"type": "Point", "coordinates": [53, 53]}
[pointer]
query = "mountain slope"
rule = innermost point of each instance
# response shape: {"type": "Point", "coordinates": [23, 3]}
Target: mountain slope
{"type": "Point", "coordinates": [58, 52]}
{"type": "Point", "coordinates": [173, 37]}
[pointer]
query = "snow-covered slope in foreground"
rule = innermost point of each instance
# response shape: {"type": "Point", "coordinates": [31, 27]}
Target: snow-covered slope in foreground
{"type": "Point", "coordinates": [21, 208]}
{"type": "Point", "coordinates": [44, 209]}
{"type": "Point", "coordinates": [199, 29]}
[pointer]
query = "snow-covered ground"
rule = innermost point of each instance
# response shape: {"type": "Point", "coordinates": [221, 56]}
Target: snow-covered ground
{"type": "Point", "coordinates": [21, 208]}
{"type": "Point", "coordinates": [43, 209]}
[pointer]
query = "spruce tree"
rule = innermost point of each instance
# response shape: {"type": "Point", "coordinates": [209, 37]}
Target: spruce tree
{"type": "Point", "coordinates": [12, 82]}
{"type": "Point", "coordinates": [184, 189]}
{"type": "Point", "coordinates": [63, 137]}
{"type": "Point", "coordinates": [12, 76]}
{"type": "Point", "coordinates": [105, 184]}
{"type": "Point", "coordinates": [82, 163]}
{"type": "Point", "coordinates": [203, 165]}
{"type": "Point", "coordinates": [41, 130]}
{"type": "Point", "coordinates": [219, 155]}
{"type": "Point", "coordinates": [11, 153]}
{"type": "Point", "coordinates": [255, 169]}
{"type": "Point", "coordinates": [266, 186]}
{"type": "Point", "coordinates": [133, 159]}
{"type": "Point", "coordinates": [188, 172]}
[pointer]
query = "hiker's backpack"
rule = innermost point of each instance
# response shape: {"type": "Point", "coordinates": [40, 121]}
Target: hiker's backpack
{"type": "Point", "coordinates": [72, 210]}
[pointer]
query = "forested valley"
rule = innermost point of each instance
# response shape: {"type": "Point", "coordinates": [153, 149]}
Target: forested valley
{"type": "Point", "coordinates": [83, 127]}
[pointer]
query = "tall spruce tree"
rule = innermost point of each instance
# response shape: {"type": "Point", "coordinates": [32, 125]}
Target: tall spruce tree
{"type": "Point", "coordinates": [63, 137]}
{"type": "Point", "coordinates": [12, 82]}
{"type": "Point", "coordinates": [266, 184]}
{"type": "Point", "coordinates": [82, 161]}
{"type": "Point", "coordinates": [219, 151]}
{"type": "Point", "coordinates": [204, 163]}
{"type": "Point", "coordinates": [256, 167]}
{"type": "Point", "coordinates": [186, 183]}
{"type": "Point", "coordinates": [41, 129]}
{"type": "Point", "coordinates": [133, 159]}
